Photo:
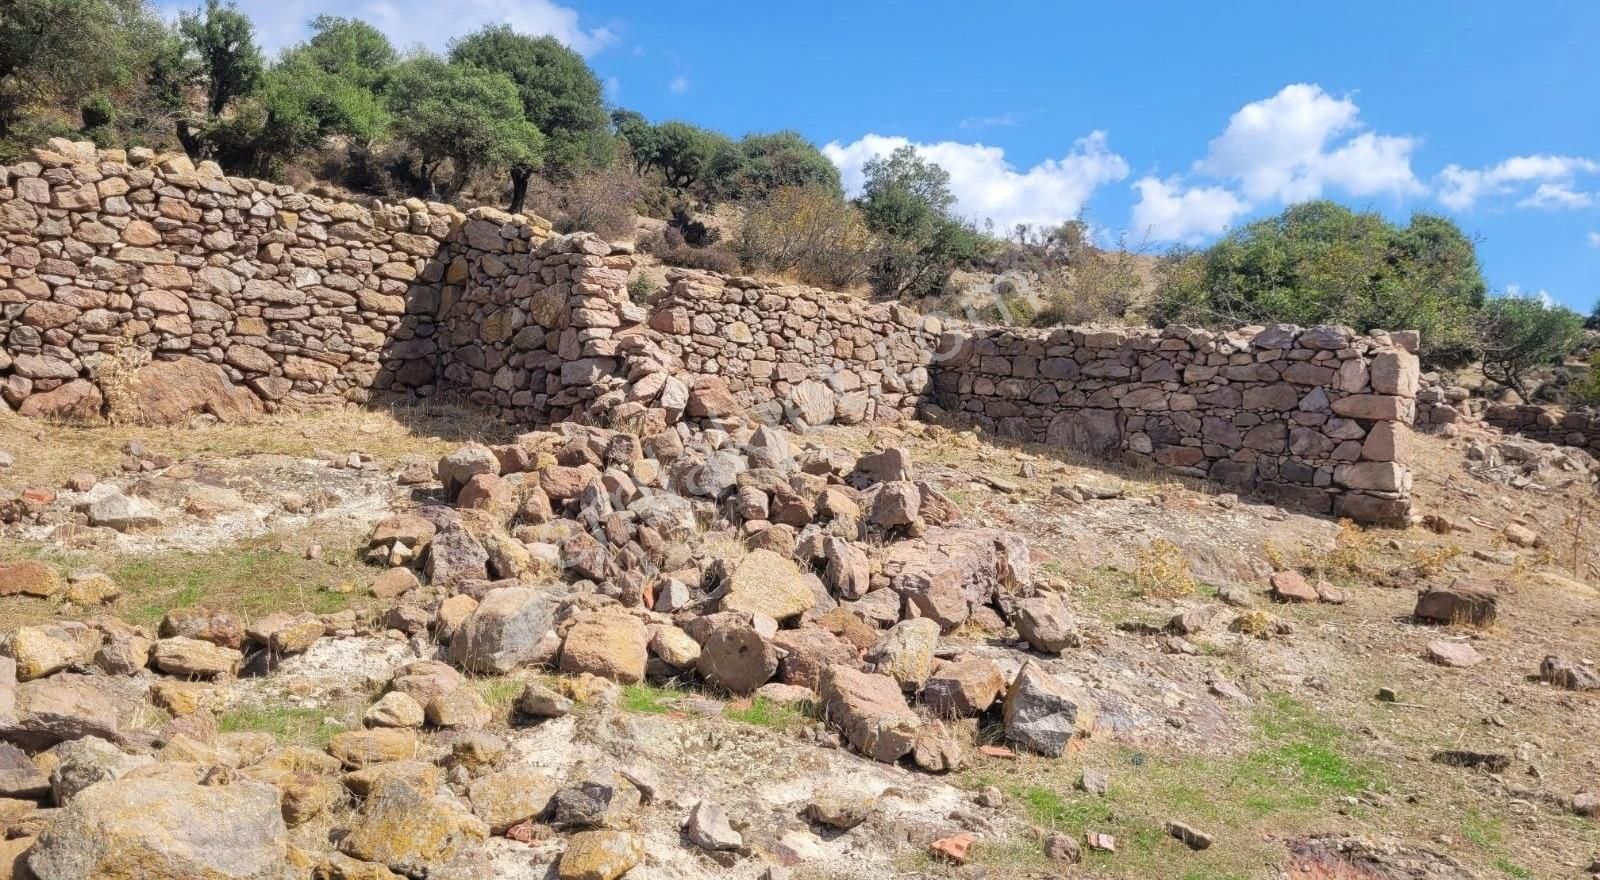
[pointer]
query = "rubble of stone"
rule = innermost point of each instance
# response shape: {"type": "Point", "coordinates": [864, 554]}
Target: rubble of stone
{"type": "Point", "coordinates": [726, 556]}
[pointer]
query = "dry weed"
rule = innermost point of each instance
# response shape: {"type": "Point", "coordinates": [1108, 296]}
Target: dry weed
{"type": "Point", "coordinates": [1161, 571]}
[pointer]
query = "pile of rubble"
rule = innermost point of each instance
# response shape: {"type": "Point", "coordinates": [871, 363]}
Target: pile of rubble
{"type": "Point", "coordinates": [720, 557]}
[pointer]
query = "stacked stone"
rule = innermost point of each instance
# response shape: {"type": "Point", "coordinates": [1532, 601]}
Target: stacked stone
{"type": "Point", "coordinates": [1578, 427]}
{"type": "Point", "coordinates": [799, 353]}
{"type": "Point", "coordinates": [108, 251]}
{"type": "Point", "coordinates": [530, 322]}
{"type": "Point", "coordinates": [1315, 418]}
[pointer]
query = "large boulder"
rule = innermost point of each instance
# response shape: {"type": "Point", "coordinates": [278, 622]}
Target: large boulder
{"type": "Point", "coordinates": [511, 796]}
{"type": "Point", "coordinates": [1043, 714]}
{"type": "Point", "coordinates": [169, 392]}
{"type": "Point", "coordinates": [460, 466]}
{"type": "Point", "coordinates": [765, 583]}
{"type": "Point", "coordinates": [503, 632]}
{"type": "Point", "coordinates": [610, 644]}
{"type": "Point", "coordinates": [604, 854]}
{"type": "Point", "coordinates": [68, 706]}
{"type": "Point", "coordinates": [87, 761]}
{"type": "Point", "coordinates": [411, 831]}
{"type": "Point", "coordinates": [734, 657]}
{"type": "Point", "coordinates": [964, 687]}
{"type": "Point", "coordinates": [1045, 624]}
{"type": "Point", "coordinates": [870, 711]}
{"type": "Point", "coordinates": [76, 401]}
{"type": "Point", "coordinates": [905, 652]}
{"type": "Point", "coordinates": [163, 829]}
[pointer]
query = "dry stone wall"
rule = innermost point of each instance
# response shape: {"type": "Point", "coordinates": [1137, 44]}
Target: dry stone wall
{"type": "Point", "coordinates": [1317, 419]}
{"type": "Point", "coordinates": [1578, 427]}
{"type": "Point", "coordinates": [798, 353]}
{"type": "Point", "coordinates": [110, 258]}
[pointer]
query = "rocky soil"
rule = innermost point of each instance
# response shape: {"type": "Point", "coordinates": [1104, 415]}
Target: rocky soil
{"type": "Point", "coordinates": [291, 650]}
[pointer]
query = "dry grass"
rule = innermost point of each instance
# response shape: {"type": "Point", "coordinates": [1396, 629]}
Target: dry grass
{"type": "Point", "coordinates": [253, 577]}
{"type": "Point", "coordinates": [48, 453]}
{"type": "Point", "coordinates": [1161, 571]}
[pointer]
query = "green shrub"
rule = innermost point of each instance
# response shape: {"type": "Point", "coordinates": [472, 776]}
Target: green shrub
{"type": "Point", "coordinates": [1321, 263]}
{"type": "Point", "coordinates": [1521, 334]}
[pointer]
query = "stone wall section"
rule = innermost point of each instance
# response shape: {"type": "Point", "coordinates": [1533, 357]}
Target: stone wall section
{"type": "Point", "coordinates": [1577, 427]}
{"type": "Point", "coordinates": [1316, 419]}
{"type": "Point", "coordinates": [798, 353]}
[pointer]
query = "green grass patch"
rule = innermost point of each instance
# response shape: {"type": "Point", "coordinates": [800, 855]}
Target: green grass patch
{"type": "Point", "coordinates": [1297, 765]}
{"type": "Point", "coordinates": [763, 712]}
{"type": "Point", "coordinates": [312, 728]}
{"type": "Point", "coordinates": [648, 699]}
{"type": "Point", "coordinates": [252, 580]}
{"type": "Point", "coordinates": [500, 692]}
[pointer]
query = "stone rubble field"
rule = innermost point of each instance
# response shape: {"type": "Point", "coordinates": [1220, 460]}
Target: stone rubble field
{"type": "Point", "coordinates": [737, 651]}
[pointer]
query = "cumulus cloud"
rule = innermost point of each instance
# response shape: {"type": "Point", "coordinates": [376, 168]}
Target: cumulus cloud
{"type": "Point", "coordinates": [1166, 211]}
{"type": "Point", "coordinates": [678, 85]}
{"type": "Point", "coordinates": [1594, 239]}
{"type": "Point", "coordinates": [986, 186]}
{"type": "Point", "coordinates": [282, 23]}
{"type": "Point", "coordinates": [1302, 141]}
{"type": "Point", "coordinates": [1462, 188]}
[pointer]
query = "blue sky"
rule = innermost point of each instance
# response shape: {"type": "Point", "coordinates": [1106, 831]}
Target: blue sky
{"type": "Point", "coordinates": [1170, 121]}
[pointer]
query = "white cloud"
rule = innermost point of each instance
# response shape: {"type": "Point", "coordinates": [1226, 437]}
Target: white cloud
{"type": "Point", "coordinates": [1461, 188]}
{"type": "Point", "coordinates": [1594, 239]}
{"type": "Point", "coordinates": [986, 186]}
{"type": "Point", "coordinates": [679, 85]}
{"type": "Point", "coordinates": [1000, 120]}
{"type": "Point", "coordinates": [1168, 212]}
{"type": "Point", "coordinates": [1301, 141]}
{"type": "Point", "coordinates": [1557, 197]}
{"type": "Point", "coordinates": [613, 87]}
{"type": "Point", "coordinates": [408, 23]}
{"type": "Point", "coordinates": [1515, 291]}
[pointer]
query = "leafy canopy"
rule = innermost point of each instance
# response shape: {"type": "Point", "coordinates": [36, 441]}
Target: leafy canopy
{"type": "Point", "coordinates": [906, 202]}
{"type": "Point", "coordinates": [224, 41]}
{"type": "Point", "coordinates": [560, 95]}
{"type": "Point", "coordinates": [1520, 334]}
{"type": "Point", "coordinates": [62, 52]}
{"type": "Point", "coordinates": [1320, 262]}
{"type": "Point", "coordinates": [467, 115]}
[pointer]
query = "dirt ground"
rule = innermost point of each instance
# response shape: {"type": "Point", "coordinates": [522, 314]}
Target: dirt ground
{"type": "Point", "coordinates": [1273, 741]}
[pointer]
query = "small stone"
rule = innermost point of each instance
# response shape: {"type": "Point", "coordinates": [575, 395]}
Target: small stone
{"type": "Point", "coordinates": [1062, 848]}
{"type": "Point", "coordinates": [1094, 781]}
{"type": "Point", "coordinates": [1100, 841]}
{"type": "Point", "coordinates": [1457, 655]}
{"type": "Point", "coordinates": [707, 827]}
{"type": "Point", "coordinates": [956, 848]}
{"type": "Point", "coordinates": [1191, 837]}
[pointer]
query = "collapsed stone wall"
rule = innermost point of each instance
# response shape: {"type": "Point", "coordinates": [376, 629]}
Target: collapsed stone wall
{"type": "Point", "coordinates": [301, 298]}
{"type": "Point", "coordinates": [1578, 427]}
{"type": "Point", "coordinates": [1316, 419]}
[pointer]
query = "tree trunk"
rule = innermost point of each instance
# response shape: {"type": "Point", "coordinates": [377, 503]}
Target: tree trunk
{"type": "Point", "coordinates": [519, 188]}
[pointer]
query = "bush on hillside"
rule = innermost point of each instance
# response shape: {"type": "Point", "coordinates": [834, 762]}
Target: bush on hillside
{"type": "Point", "coordinates": [1319, 263]}
{"type": "Point", "coordinates": [1519, 335]}
{"type": "Point", "coordinates": [907, 204]}
{"type": "Point", "coordinates": [809, 232]}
